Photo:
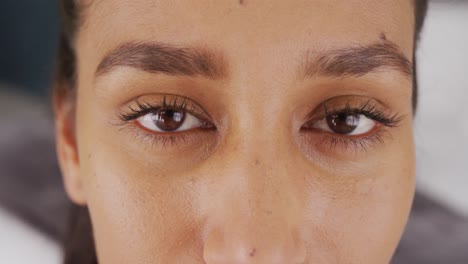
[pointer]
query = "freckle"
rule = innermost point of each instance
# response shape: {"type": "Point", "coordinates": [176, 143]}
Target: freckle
{"type": "Point", "coordinates": [269, 212]}
{"type": "Point", "coordinates": [253, 252]}
{"type": "Point", "coordinates": [192, 180]}
{"type": "Point", "coordinates": [89, 156]}
{"type": "Point", "coordinates": [242, 2]}
{"type": "Point", "coordinates": [257, 162]}
{"type": "Point", "coordinates": [229, 11]}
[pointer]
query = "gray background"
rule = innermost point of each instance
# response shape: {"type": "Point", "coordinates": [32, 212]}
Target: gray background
{"type": "Point", "coordinates": [441, 126]}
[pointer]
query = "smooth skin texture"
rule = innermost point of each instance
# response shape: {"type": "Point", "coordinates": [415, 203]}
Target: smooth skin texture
{"type": "Point", "coordinates": [264, 182]}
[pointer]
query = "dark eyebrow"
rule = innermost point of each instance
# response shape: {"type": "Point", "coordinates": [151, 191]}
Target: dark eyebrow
{"type": "Point", "coordinates": [358, 61]}
{"type": "Point", "coordinates": [164, 58]}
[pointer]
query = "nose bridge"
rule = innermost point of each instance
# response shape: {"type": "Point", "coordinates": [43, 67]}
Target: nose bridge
{"type": "Point", "coordinates": [257, 208]}
{"type": "Point", "coordinates": [256, 163]}
{"type": "Point", "coordinates": [255, 205]}
{"type": "Point", "coordinates": [259, 187]}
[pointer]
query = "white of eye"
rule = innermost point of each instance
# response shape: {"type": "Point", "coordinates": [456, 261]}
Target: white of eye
{"type": "Point", "coordinates": [364, 125]}
{"type": "Point", "coordinates": [149, 121]}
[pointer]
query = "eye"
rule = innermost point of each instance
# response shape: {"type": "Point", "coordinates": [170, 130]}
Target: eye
{"type": "Point", "coordinates": [346, 124]}
{"type": "Point", "coordinates": [169, 120]}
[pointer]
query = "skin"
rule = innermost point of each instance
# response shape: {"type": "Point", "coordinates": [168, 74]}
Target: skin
{"type": "Point", "coordinates": [258, 188]}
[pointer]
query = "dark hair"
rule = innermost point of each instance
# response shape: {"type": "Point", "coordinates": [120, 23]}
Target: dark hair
{"type": "Point", "coordinates": [79, 244]}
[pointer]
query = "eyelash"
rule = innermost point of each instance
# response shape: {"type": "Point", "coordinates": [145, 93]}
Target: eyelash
{"type": "Point", "coordinates": [176, 103]}
{"type": "Point", "coordinates": [369, 110]}
{"type": "Point", "coordinates": [384, 118]}
{"type": "Point", "coordinates": [180, 103]}
{"type": "Point", "coordinates": [144, 108]}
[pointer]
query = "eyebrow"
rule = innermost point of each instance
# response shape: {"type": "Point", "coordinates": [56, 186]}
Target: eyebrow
{"type": "Point", "coordinates": [169, 59]}
{"type": "Point", "coordinates": [164, 58]}
{"type": "Point", "coordinates": [358, 61]}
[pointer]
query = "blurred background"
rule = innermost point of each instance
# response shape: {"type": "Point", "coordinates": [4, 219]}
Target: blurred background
{"type": "Point", "coordinates": [32, 201]}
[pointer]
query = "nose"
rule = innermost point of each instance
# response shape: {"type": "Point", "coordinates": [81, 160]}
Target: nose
{"type": "Point", "coordinates": [244, 243]}
{"type": "Point", "coordinates": [255, 215]}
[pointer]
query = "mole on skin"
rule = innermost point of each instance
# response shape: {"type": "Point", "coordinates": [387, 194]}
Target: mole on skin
{"type": "Point", "coordinates": [383, 36]}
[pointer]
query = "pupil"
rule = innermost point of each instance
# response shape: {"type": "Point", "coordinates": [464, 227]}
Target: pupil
{"type": "Point", "coordinates": [168, 120]}
{"type": "Point", "coordinates": [343, 123]}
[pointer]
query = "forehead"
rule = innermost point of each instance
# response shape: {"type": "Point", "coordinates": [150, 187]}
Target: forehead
{"type": "Point", "coordinates": [248, 25]}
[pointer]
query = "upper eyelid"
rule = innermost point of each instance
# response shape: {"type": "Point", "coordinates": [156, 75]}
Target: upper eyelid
{"type": "Point", "coordinates": [364, 102]}
{"type": "Point", "coordinates": [176, 102]}
{"type": "Point", "coordinates": [379, 114]}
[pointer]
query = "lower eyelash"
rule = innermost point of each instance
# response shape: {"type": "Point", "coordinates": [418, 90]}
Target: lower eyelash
{"type": "Point", "coordinates": [357, 143]}
{"type": "Point", "coordinates": [329, 142]}
{"type": "Point", "coordinates": [151, 139]}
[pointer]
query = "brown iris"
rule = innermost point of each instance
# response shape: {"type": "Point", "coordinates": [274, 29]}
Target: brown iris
{"type": "Point", "coordinates": [168, 119]}
{"type": "Point", "coordinates": [343, 123]}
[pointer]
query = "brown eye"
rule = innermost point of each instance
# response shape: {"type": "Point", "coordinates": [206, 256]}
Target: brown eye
{"type": "Point", "coordinates": [346, 124]}
{"type": "Point", "coordinates": [169, 120]}
{"type": "Point", "coordinates": [342, 123]}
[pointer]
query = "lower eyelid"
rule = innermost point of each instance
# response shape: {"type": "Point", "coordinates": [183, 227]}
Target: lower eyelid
{"type": "Point", "coordinates": [155, 141]}
{"type": "Point", "coordinates": [328, 142]}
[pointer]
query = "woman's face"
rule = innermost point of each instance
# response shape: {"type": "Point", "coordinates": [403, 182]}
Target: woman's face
{"type": "Point", "coordinates": [243, 131]}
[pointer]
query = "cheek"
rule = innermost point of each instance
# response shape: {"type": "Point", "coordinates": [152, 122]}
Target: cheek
{"type": "Point", "coordinates": [363, 219]}
{"type": "Point", "coordinates": [140, 201]}
{"type": "Point", "coordinates": [138, 214]}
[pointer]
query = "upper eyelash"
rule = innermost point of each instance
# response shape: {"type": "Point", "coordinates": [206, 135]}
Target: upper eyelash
{"type": "Point", "coordinates": [178, 103]}
{"type": "Point", "coordinates": [369, 110]}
